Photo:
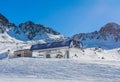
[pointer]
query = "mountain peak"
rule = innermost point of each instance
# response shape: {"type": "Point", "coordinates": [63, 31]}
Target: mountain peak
{"type": "Point", "coordinates": [3, 20]}
{"type": "Point", "coordinates": [28, 30]}
{"type": "Point", "coordinates": [29, 22]}
{"type": "Point", "coordinates": [111, 28]}
{"type": "Point", "coordinates": [107, 37]}
{"type": "Point", "coordinates": [112, 25]}
{"type": "Point", "coordinates": [31, 31]}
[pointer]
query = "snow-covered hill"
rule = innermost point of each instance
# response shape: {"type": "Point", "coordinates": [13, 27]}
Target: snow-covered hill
{"type": "Point", "coordinates": [31, 31]}
{"type": "Point", "coordinates": [7, 44]}
{"type": "Point", "coordinates": [28, 31]}
{"type": "Point", "coordinates": [100, 54]}
{"type": "Point", "coordinates": [45, 70]}
{"type": "Point", "coordinates": [94, 64]}
{"type": "Point", "coordinates": [19, 37]}
{"type": "Point", "coordinates": [5, 38]}
{"type": "Point", "coordinates": [107, 37]}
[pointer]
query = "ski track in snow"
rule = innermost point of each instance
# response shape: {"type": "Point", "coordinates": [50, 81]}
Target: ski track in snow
{"type": "Point", "coordinates": [56, 70]}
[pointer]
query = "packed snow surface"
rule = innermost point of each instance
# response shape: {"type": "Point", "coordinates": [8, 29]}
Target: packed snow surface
{"type": "Point", "coordinates": [92, 65]}
{"type": "Point", "coordinates": [57, 70]}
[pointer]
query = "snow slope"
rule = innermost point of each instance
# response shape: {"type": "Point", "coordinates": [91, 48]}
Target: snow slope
{"type": "Point", "coordinates": [4, 47]}
{"type": "Point", "coordinates": [108, 37]}
{"type": "Point", "coordinates": [9, 43]}
{"type": "Point", "coordinates": [30, 31]}
{"type": "Point", "coordinates": [99, 53]}
{"type": "Point", "coordinates": [109, 44]}
{"type": "Point", "coordinates": [5, 38]}
{"type": "Point", "coordinates": [92, 65]}
{"type": "Point", "coordinates": [46, 70]}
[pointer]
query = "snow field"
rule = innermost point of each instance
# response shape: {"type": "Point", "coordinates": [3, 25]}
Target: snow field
{"type": "Point", "coordinates": [57, 70]}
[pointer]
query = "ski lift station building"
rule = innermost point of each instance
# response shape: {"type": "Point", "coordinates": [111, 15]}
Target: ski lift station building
{"type": "Point", "coordinates": [58, 49]}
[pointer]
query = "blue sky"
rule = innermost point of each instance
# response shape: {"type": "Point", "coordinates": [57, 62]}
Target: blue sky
{"type": "Point", "coordinates": [68, 17]}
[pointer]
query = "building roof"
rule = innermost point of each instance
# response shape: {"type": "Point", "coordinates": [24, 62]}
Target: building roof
{"type": "Point", "coordinates": [64, 43]}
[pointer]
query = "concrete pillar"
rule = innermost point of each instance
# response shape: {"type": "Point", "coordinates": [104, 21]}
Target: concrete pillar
{"type": "Point", "coordinates": [67, 54]}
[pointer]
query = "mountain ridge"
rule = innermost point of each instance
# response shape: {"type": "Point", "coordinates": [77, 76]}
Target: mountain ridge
{"type": "Point", "coordinates": [107, 36]}
{"type": "Point", "coordinates": [28, 30]}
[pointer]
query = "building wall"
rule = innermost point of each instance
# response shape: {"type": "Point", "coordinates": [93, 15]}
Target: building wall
{"type": "Point", "coordinates": [23, 53]}
{"type": "Point", "coordinates": [27, 53]}
{"type": "Point", "coordinates": [52, 52]}
{"type": "Point", "coordinates": [67, 53]}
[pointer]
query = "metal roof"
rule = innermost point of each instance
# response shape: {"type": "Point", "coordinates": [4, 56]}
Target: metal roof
{"type": "Point", "coordinates": [64, 43]}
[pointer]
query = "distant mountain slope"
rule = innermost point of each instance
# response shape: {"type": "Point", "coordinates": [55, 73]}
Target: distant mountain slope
{"type": "Point", "coordinates": [107, 37]}
{"type": "Point", "coordinates": [31, 31]}
{"type": "Point", "coordinates": [3, 20]}
{"type": "Point", "coordinates": [28, 31]}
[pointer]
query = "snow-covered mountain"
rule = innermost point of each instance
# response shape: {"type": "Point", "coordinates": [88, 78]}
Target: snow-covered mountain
{"type": "Point", "coordinates": [3, 20]}
{"type": "Point", "coordinates": [28, 31]}
{"type": "Point", "coordinates": [4, 25]}
{"type": "Point", "coordinates": [31, 31]}
{"type": "Point", "coordinates": [107, 37]}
